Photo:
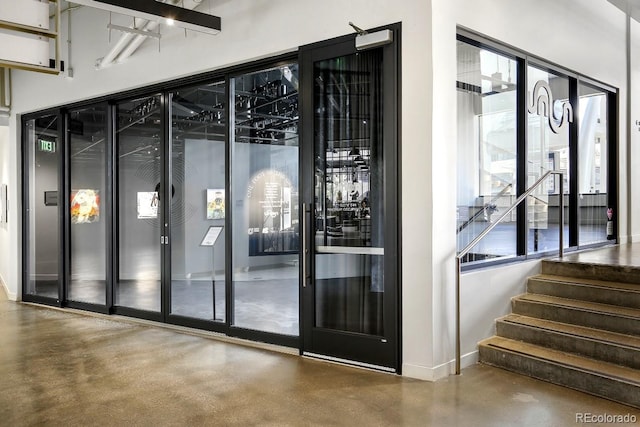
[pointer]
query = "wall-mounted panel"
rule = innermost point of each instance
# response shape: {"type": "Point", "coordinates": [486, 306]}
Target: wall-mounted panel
{"type": "Point", "coordinates": [24, 48]}
{"type": "Point", "coordinates": [34, 13]}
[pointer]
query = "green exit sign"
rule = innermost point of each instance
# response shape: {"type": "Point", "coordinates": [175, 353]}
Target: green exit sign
{"type": "Point", "coordinates": [47, 146]}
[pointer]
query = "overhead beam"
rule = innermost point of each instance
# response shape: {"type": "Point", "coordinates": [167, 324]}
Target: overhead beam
{"type": "Point", "coordinates": [630, 7]}
{"type": "Point", "coordinates": [163, 13]}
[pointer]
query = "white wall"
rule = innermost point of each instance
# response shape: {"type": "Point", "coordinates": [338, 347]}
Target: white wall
{"type": "Point", "coordinates": [632, 147]}
{"type": "Point", "coordinates": [6, 250]}
{"type": "Point", "coordinates": [588, 37]}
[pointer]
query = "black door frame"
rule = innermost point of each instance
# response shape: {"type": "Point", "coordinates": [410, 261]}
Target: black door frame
{"type": "Point", "coordinates": [354, 348]}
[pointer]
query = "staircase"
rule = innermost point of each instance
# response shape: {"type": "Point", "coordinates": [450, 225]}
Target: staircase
{"type": "Point", "coordinates": [576, 329]}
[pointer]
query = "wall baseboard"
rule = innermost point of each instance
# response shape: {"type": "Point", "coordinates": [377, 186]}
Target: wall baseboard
{"type": "Point", "coordinates": [441, 371]}
{"type": "Point", "coordinates": [10, 295]}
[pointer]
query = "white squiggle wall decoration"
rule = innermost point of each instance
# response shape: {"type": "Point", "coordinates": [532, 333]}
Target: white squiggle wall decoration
{"type": "Point", "coordinates": [541, 103]}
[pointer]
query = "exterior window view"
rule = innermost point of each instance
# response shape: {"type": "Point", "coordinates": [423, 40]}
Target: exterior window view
{"type": "Point", "coordinates": [377, 213]}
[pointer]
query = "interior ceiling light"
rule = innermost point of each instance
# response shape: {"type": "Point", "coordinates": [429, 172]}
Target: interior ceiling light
{"type": "Point", "coordinates": [160, 12]}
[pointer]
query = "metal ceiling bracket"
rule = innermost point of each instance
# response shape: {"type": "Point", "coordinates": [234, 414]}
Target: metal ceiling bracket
{"type": "Point", "coordinates": [134, 31]}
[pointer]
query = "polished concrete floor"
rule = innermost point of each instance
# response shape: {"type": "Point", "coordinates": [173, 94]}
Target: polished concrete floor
{"type": "Point", "coordinates": [61, 368]}
{"type": "Point", "coordinates": [622, 255]}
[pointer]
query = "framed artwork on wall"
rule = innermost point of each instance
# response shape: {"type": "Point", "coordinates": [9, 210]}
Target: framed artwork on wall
{"type": "Point", "coordinates": [85, 206]}
{"type": "Point", "coordinates": [215, 203]}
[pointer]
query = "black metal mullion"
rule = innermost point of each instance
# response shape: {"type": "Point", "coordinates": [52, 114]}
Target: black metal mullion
{"type": "Point", "coordinates": [166, 184]}
{"type": "Point", "coordinates": [574, 151]}
{"type": "Point", "coordinates": [521, 155]}
{"type": "Point", "coordinates": [392, 202]}
{"type": "Point", "coordinates": [612, 159]}
{"type": "Point", "coordinates": [228, 242]}
{"type": "Point", "coordinates": [115, 203]}
{"type": "Point", "coordinates": [64, 243]}
{"type": "Point", "coordinates": [26, 206]}
{"type": "Point", "coordinates": [306, 183]}
{"type": "Point", "coordinates": [109, 203]}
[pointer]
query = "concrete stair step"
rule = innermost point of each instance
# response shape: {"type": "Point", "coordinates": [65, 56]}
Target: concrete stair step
{"type": "Point", "coordinates": [608, 317]}
{"type": "Point", "coordinates": [610, 381]}
{"type": "Point", "coordinates": [593, 290]}
{"type": "Point", "coordinates": [596, 344]}
{"type": "Point", "coordinates": [583, 270]}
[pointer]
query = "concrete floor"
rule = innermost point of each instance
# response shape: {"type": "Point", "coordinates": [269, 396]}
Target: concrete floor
{"type": "Point", "coordinates": [65, 368]}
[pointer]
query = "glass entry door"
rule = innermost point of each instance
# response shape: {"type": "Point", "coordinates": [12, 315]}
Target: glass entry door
{"type": "Point", "coordinates": [350, 261]}
{"type": "Point", "coordinates": [140, 218]}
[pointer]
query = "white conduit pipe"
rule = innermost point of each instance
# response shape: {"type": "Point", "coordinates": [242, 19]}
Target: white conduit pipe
{"type": "Point", "coordinates": [121, 44]}
{"type": "Point", "coordinates": [151, 26]}
{"type": "Point", "coordinates": [136, 42]}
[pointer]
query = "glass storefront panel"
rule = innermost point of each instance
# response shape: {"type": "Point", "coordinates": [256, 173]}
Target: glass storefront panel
{"type": "Point", "coordinates": [547, 149]}
{"type": "Point", "coordinates": [88, 208]}
{"type": "Point", "coordinates": [592, 166]}
{"type": "Point", "coordinates": [139, 203]}
{"type": "Point", "coordinates": [266, 241]}
{"type": "Point", "coordinates": [42, 157]}
{"type": "Point", "coordinates": [349, 193]}
{"type": "Point", "coordinates": [199, 203]}
{"type": "Point", "coordinates": [487, 145]}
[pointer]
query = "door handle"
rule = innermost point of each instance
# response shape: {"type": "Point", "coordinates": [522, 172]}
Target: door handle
{"type": "Point", "coordinates": [305, 248]}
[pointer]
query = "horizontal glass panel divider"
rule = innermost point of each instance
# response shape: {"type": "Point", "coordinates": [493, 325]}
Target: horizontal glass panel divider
{"type": "Point", "coordinates": [349, 250]}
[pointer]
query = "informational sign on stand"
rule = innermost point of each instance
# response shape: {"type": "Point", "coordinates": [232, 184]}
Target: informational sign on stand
{"type": "Point", "coordinates": [211, 236]}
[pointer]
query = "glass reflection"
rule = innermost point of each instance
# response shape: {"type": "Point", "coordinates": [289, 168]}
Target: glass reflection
{"type": "Point", "coordinates": [88, 219]}
{"type": "Point", "coordinates": [265, 200]}
{"type": "Point", "coordinates": [349, 196]}
{"type": "Point", "coordinates": [592, 166]}
{"type": "Point", "coordinates": [547, 150]}
{"type": "Point", "coordinates": [43, 160]}
{"type": "Point", "coordinates": [487, 143]}
{"type": "Point", "coordinates": [199, 203]}
{"type": "Point", "coordinates": [138, 147]}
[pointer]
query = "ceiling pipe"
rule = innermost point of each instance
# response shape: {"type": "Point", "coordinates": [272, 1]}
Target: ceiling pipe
{"type": "Point", "coordinates": [122, 43]}
{"type": "Point", "coordinates": [128, 43]}
{"type": "Point", "coordinates": [136, 42]}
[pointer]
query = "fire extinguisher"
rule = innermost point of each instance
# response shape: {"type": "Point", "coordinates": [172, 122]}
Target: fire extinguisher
{"type": "Point", "coordinates": [610, 224]}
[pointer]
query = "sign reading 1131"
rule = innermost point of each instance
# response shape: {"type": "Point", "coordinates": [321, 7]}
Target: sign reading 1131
{"type": "Point", "coordinates": [47, 146]}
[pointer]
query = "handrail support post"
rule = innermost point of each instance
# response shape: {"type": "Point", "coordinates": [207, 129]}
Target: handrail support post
{"type": "Point", "coordinates": [486, 231]}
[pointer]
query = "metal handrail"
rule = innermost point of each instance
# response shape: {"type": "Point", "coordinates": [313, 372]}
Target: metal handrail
{"type": "Point", "coordinates": [484, 208]}
{"type": "Point", "coordinates": [487, 230]}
